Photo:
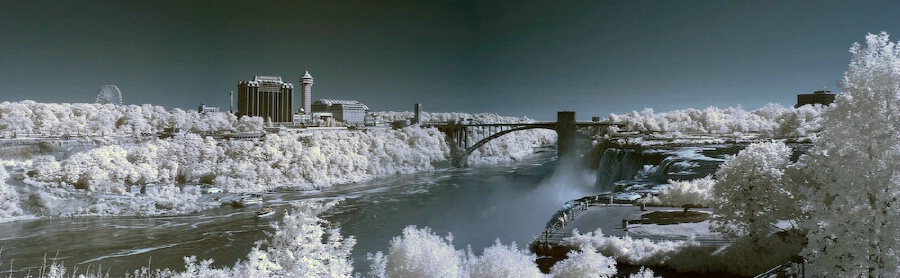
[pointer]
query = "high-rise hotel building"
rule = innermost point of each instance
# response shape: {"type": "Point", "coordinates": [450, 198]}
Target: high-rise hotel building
{"type": "Point", "coordinates": [267, 97]}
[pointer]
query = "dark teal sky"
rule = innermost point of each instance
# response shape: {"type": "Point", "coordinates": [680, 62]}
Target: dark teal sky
{"type": "Point", "coordinates": [509, 57]}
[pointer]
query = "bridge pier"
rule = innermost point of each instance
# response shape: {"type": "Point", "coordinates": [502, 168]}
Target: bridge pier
{"type": "Point", "coordinates": [457, 136]}
{"type": "Point", "coordinates": [565, 129]}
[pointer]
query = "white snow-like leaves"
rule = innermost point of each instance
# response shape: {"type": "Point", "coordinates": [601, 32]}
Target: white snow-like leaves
{"type": "Point", "coordinates": [626, 249]}
{"type": "Point", "coordinates": [742, 257]}
{"type": "Point", "coordinates": [849, 180]}
{"type": "Point", "coordinates": [276, 161]}
{"type": "Point", "coordinates": [752, 194]}
{"type": "Point", "coordinates": [772, 120]}
{"type": "Point", "coordinates": [102, 177]}
{"type": "Point", "coordinates": [9, 197]}
{"type": "Point", "coordinates": [34, 118]}
{"type": "Point", "coordinates": [421, 253]}
{"type": "Point", "coordinates": [690, 193]}
{"type": "Point", "coordinates": [299, 247]}
{"type": "Point", "coordinates": [504, 261]}
{"type": "Point", "coordinates": [586, 262]}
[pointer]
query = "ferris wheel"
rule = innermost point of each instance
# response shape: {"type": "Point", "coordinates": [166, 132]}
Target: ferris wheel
{"type": "Point", "coordinates": [109, 94]}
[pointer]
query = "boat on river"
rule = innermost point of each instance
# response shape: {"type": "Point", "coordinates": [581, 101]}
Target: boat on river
{"type": "Point", "coordinates": [265, 211]}
{"type": "Point", "coordinates": [244, 201]}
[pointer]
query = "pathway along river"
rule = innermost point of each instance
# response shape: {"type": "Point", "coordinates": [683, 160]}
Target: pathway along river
{"type": "Point", "coordinates": [477, 205]}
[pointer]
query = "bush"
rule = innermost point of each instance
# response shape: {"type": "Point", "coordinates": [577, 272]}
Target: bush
{"type": "Point", "coordinates": [503, 261]}
{"type": "Point", "coordinates": [421, 253]}
{"type": "Point", "coordinates": [584, 263]}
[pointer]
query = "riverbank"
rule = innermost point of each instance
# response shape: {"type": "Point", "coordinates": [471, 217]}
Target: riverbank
{"type": "Point", "coordinates": [464, 202]}
{"type": "Point", "coordinates": [98, 180]}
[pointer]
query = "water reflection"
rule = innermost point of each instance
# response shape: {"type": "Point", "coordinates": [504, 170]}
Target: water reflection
{"type": "Point", "coordinates": [476, 206]}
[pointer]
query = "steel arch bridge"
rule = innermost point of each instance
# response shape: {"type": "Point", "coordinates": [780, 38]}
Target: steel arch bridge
{"type": "Point", "coordinates": [464, 138]}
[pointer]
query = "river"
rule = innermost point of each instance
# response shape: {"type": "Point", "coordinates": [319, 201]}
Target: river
{"type": "Point", "coordinates": [478, 205]}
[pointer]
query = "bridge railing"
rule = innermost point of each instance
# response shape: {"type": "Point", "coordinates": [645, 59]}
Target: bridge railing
{"type": "Point", "coordinates": [477, 124]}
{"type": "Point", "coordinates": [543, 123]}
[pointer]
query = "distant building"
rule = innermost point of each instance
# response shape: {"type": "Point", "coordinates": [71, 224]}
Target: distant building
{"type": "Point", "coordinates": [817, 97]}
{"type": "Point", "coordinates": [306, 97]}
{"type": "Point", "coordinates": [348, 111]}
{"type": "Point", "coordinates": [267, 97]}
{"type": "Point", "coordinates": [398, 124]}
{"type": "Point", "coordinates": [418, 114]}
{"type": "Point", "coordinates": [207, 109]}
{"type": "Point", "coordinates": [302, 118]}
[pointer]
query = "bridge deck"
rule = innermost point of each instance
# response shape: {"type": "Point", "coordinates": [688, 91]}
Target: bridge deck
{"type": "Point", "coordinates": [441, 124]}
{"type": "Point", "coordinates": [465, 136]}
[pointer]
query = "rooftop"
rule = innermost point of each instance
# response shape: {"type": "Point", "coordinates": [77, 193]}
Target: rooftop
{"type": "Point", "coordinates": [331, 102]}
{"type": "Point", "coordinates": [260, 78]}
{"type": "Point", "coordinates": [337, 101]}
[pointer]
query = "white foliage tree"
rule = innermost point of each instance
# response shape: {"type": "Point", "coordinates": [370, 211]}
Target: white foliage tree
{"type": "Point", "coordinates": [771, 120]}
{"type": "Point", "coordinates": [45, 120]}
{"type": "Point", "coordinates": [249, 124]}
{"type": "Point", "coordinates": [103, 169]}
{"type": "Point", "coordinates": [503, 261]}
{"type": "Point", "coordinates": [9, 197]}
{"type": "Point", "coordinates": [26, 117]}
{"type": "Point", "coordinates": [751, 194]}
{"type": "Point", "coordinates": [626, 249]}
{"type": "Point", "coordinates": [421, 253]}
{"type": "Point", "coordinates": [644, 273]}
{"type": "Point", "coordinates": [688, 194]}
{"type": "Point", "coordinates": [739, 258]}
{"type": "Point", "coordinates": [584, 263]}
{"type": "Point", "coordinates": [16, 118]}
{"type": "Point", "coordinates": [287, 160]}
{"type": "Point", "coordinates": [851, 176]}
{"type": "Point", "coordinates": [300, 247]}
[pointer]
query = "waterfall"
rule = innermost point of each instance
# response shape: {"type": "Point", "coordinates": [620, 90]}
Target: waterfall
{"type": "Point", "coordinates": [619, 169]}
{"type": "Point", "coordinates": [616, 165]}
{"type": "Point", "coordinates": [674, 165]}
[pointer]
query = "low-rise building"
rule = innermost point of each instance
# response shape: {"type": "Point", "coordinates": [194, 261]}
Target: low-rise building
{"type": "Point", "coordinates": [302, 118]}
{"type": "Point", "coordinates": [817, 97]}
{"type": "Point", "coordinates": [207, 109]}
{"type": "Point", "coordinates": [347, 111]}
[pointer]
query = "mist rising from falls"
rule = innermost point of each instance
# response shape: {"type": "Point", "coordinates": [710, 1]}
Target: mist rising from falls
{"type": "Point", "coordinates": [572, 179]}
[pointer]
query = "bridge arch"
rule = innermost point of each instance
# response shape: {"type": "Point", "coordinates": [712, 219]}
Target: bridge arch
{"type": "Point", "coordinates": [461, 156]}
{"type": "Point", "coordinates": [457, 133]}
{"type": "Point", "coordinates": [478, 144]}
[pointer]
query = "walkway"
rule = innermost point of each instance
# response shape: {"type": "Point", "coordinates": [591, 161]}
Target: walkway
{"type": "Point", "coordinates": [588, 218]}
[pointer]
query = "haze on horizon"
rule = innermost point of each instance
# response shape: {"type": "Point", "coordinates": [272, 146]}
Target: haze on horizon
{"type": "Point", "coordinates": [529, 58]}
